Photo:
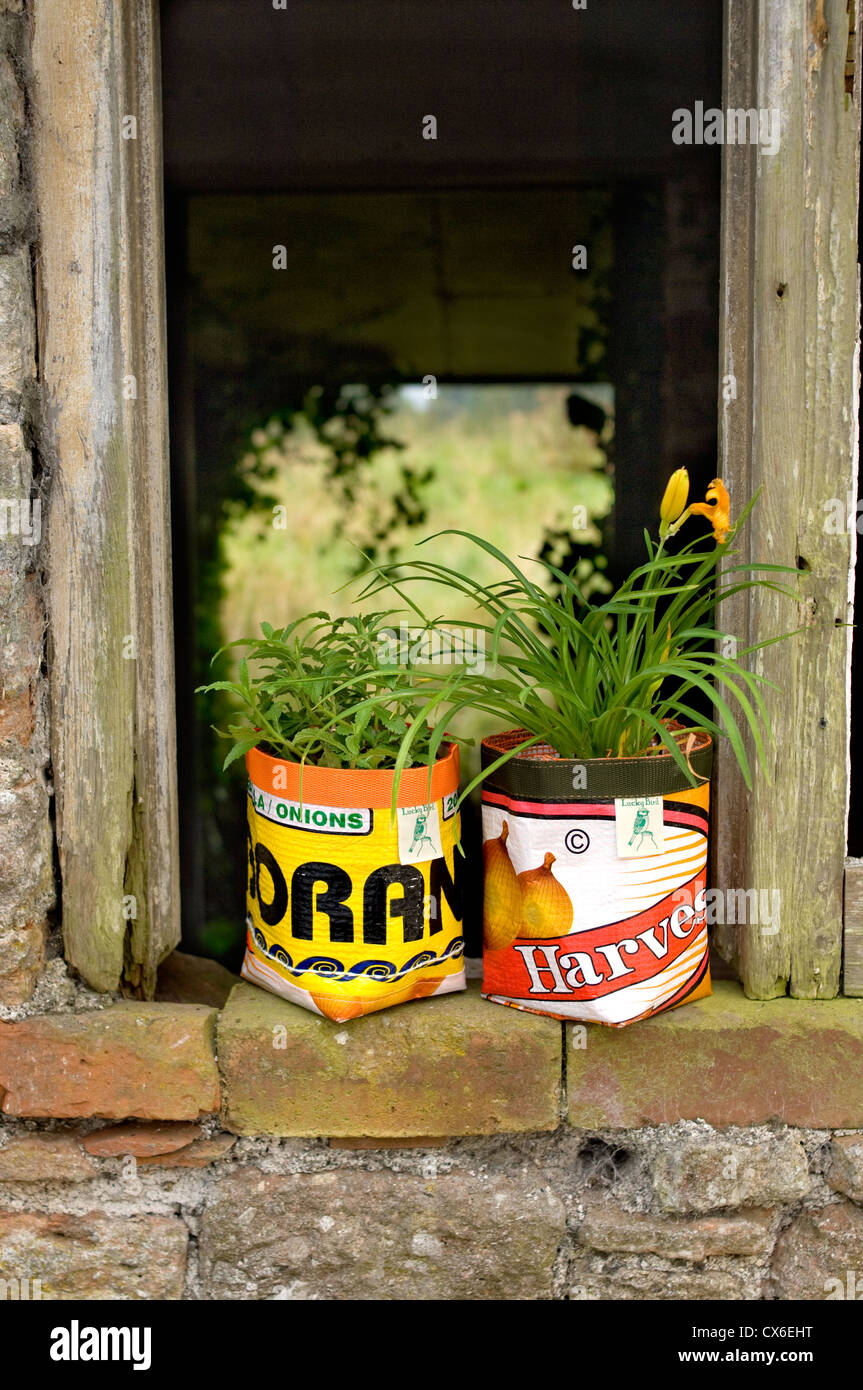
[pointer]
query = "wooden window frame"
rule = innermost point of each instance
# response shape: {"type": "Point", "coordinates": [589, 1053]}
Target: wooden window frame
{"type": "Point", "coordinates": [104, 441]}
{"type": "Point", "coordinates": [789, 277]}
{"type": "Point", "coordinates": [788, 407]}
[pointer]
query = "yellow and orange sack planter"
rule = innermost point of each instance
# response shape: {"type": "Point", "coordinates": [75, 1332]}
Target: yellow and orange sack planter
{"type": "Point", "coordinates": [349, 912]}
{"type": "Point", "coordinates": [595, 882]}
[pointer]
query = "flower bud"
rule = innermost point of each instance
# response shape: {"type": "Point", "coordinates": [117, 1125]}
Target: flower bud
{"type": "Point", "coordinates": [674, 499]}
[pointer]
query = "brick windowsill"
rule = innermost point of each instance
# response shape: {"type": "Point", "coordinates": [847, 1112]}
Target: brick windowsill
{"type": "Point", "coordinates": [444, 1067]}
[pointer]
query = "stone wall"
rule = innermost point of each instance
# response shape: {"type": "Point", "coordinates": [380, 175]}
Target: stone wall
{"type": "Point", "coordinates": [573, 1215]}
{"type": "Point", "coordinates": [26, 841]}
{"type": "Point", "coordinates": [240, 1148]}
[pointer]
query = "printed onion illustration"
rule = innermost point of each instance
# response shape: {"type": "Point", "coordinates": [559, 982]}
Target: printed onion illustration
{"type": "Point", "coordinates": [341, 1010]}
{"type": "Point", "coordinates": [502, 907]}
{"type": "Point", "coordinates": [338, 1009]}
{"type": "Point", "coordinates": [546, 909]}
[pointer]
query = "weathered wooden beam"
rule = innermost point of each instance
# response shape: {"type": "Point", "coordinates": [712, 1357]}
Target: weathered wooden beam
{"type": "Point", "coordinates": [789, 385]}
{"type": "Point", "coordinates": [101, 313]}
{"type": "Point", "coordinates": [852, 981]}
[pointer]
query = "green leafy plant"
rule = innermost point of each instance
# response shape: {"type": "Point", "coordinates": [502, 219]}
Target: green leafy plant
{"type": "Point", "coordinates": [613, 679]}
{"type": "Point", "coordinates": [323, 690]}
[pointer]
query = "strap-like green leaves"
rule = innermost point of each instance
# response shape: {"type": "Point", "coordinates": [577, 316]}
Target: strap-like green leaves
{"type": "Point", "coordinates": [592, 680]}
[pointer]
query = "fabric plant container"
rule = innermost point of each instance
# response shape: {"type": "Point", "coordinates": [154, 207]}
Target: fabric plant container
{"type": "Point", "coordinates": [348, 911]}
{"type": "Point", "coordinates": [595, 881]}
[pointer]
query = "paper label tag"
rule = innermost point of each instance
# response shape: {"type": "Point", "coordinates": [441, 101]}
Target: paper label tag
{"type": "Point", "coordinates": [419, 834]}
{"type": "Point", "coordinates": [640, 829]}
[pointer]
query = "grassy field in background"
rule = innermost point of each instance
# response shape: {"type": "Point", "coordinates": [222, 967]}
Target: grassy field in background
{"type": "Point", "coordinates": [505, 461]}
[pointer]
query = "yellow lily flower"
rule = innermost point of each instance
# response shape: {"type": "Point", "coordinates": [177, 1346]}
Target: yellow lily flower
{"type": "Point", "coordinates": [673, 500]}
{"type": "Point", "coordinates": [719, 513]}
{"type": "Point", "coordinates": [717, 508]}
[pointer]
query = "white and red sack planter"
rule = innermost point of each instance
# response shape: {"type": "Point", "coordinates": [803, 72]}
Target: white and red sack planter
{"type": "Point", "coordinates": [595, 881]}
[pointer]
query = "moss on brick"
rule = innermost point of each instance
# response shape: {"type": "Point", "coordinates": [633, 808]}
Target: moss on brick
{"type": "Point", "coordinates": [447, 1066]}
{"type": "Point", "coordinates": [726, 1059]}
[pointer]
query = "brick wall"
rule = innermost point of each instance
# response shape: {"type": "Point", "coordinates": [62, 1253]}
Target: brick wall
{"type": "Point", "coordinates": [242, 1148]}
{"type": "Point", "coordinates": [26, 858]}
